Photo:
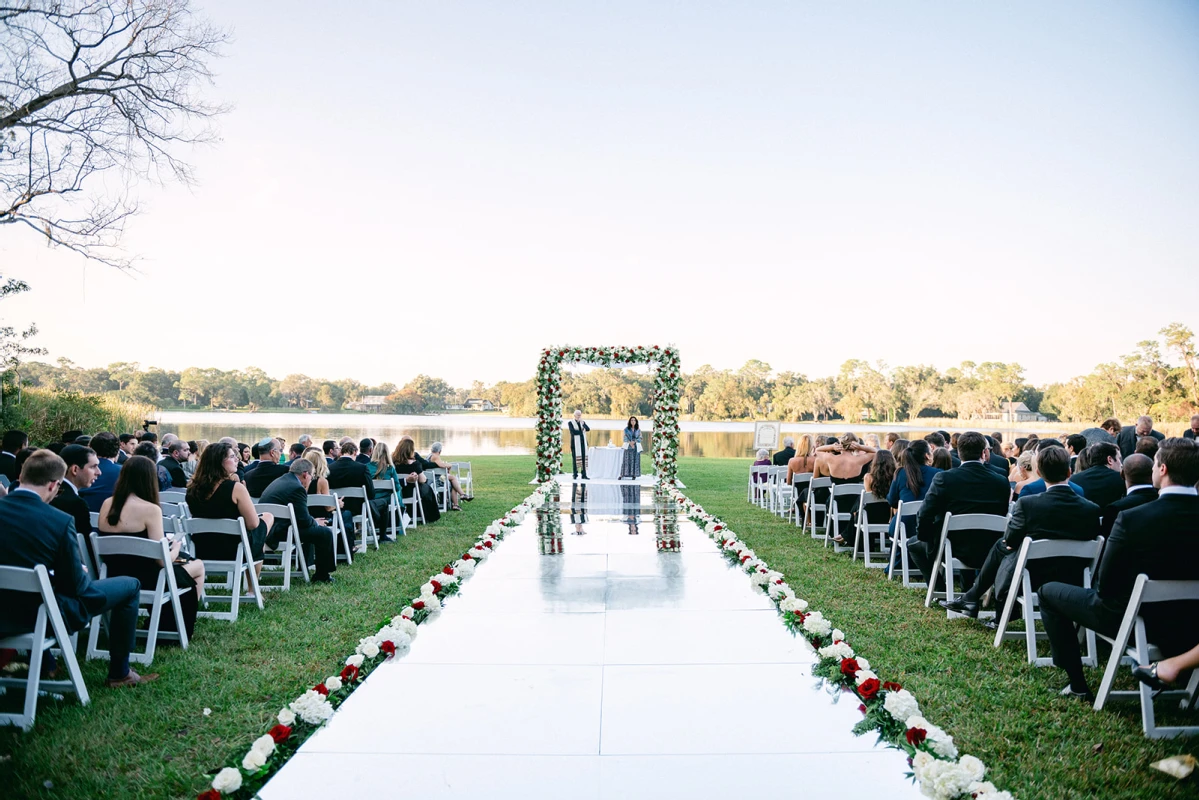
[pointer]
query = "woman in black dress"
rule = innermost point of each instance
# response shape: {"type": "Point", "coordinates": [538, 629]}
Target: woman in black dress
{"type": "Point", "coordinates": [215, 493]}
{"type": "Point", "coordinates": [412, 474]}
{"type": "Point", "coordinates": [133, 510]}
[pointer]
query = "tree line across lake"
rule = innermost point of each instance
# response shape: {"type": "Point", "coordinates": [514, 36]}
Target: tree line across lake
{"type": "Point", "coordinates": [1158, 377]}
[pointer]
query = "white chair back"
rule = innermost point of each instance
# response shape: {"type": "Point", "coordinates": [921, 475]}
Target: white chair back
{"type": "Point", "coordinates": [364, 519]}
{"type": "Point", "coordinates": [288, 556]}
{"type": "Point", "coordinates": [867, 529]}
{"type": "Point", "coordinates": [388, 487]}
{"type": "Point", "coordinates": [982, 523]}
{"type": "Point", "coordinates": [235, 569]}
{"type": "Point", "coordinates": [899, 543]}
{"type": "Point", "coordinates": [841, 520]}
{"type": "Point", "coordinates": [321, 504]}
{"type": "Point", "coordinates": [439, 479]}
{"type": "Point", "coordinates": [813, 507]}
{"type": "Point", "coordinates": [172, 496]}
{"type": "Point", "coordinates": [466, 477]}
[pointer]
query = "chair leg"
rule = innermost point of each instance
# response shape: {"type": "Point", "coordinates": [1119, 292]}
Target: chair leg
{"type": "Point", "coordinates": [147, 656]}
{"type": "Point", "coordinates": [1113, 663]}
{"type": "Point", "coordinates": [35, 671]}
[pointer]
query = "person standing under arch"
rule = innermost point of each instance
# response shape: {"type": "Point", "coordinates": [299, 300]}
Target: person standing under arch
{"type": "Point", "coordinates": [578, 443]}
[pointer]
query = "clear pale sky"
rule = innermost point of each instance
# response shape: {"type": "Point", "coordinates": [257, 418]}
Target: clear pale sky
{"type": "Point", "coordinates": [800, 182]}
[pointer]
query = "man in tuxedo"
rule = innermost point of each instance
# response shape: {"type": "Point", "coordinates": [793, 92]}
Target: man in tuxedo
{"type": "Point", "coordinates": [1100, 481]}
{"type": "Point", "coordinates": [1075, 444]}
{"type": "Point", "coordinates": [346, 472]}
{"type": "Point", "coordinates": [32, 533]}
{"type": "Point", "coordinates": [12, 443]}
{"type": "Point", "coordinates": [1038, 486]}
{"type": "Point", "coordinates": [365, 448]}
{"type": "Point", "coordinates": [1138, 477]}
{"type": "Point", "coordinates": [1159, 539]}
{"type": "Point", "coordinates": [332, 451]}
{"type": "Point", "coordinates": [1056, 513]}
{"type": "Point", "coordinates": [268, 468]}
{"type": "Point", "coordinates": [1192, 432]}
{"type": "Point", "coordinates": [83, 467]}
{"type": "Point", "coordinates": [972, 488]}
{"type": "Point", "coordinates": [177, 453]}
{"type": "Point", "coordinates": [578, 443]}
{"type": "Point", "coordinates": [781, 458]}
{"type": "Point", "coordinates": [128, 443]}
{"type": "Point", "coordinates": [295, 451]}
{"type": "Point", "coordinates": [1127, 440]}
{"type": "Point", "coordinates": [107, 447]}
{"type": "Point", "coordinates": [292, 487]}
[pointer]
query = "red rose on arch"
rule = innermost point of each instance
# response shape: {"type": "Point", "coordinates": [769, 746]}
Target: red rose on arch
{"type": "Point", "coordinates": [388, 647]}
{"type": "Point", "coordinates": [211, 794]}
{"type": "Point", "coordinates": [915, 736]}
{"type": "Point", "coordinates": [849, 666]}
{"type": "Point", "coordinates": [280, 733]}
{"type": "Point", "coordinates": [350, 673]}
{"type": "Point", "coordinates": [320, 687]}
{"type": "Point", "coordinates": [869, 688]}
{"type": "Point", "coordinates": [892, 686]}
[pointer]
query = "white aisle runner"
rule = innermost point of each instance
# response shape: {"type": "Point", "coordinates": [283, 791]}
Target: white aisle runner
{"type": "Point", "coordinates": [606, 669]}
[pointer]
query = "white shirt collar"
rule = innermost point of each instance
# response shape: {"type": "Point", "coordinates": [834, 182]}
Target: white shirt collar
{"type": "Point", "coordinates": [66, 482]}
{"type": "Point", "coordinates": [1186, 490]}
{"type": "Point", "coordinates": [1139, 487]}
{"type": "Point", "coordinates": [30, 491]}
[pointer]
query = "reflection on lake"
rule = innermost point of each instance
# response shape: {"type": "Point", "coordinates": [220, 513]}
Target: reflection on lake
{"type": "Point", "coordinates": [482, 434]}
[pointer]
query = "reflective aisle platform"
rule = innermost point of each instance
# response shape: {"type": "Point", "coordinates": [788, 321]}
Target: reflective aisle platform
{"type": "Point", "coordinates": [605, 650]}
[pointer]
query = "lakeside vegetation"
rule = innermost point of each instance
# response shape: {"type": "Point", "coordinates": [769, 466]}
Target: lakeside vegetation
{"type": "Point", "coordinates": [1158, 377]}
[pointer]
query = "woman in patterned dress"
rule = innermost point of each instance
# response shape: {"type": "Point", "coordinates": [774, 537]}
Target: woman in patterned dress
{"type": "Point", "coordinates": [630, 466]}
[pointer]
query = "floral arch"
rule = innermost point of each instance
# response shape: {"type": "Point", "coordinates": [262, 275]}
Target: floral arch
{"type": "Point", "coordinates": [667, 389]}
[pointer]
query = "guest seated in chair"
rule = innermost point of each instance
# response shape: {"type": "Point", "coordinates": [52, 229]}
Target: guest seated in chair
{"type": "Point", "coordinates": [415, 480]}
{"type": "Point", "coordinates": [268, 469]}
{"type": "Point", "coordinates": [380, 468]}
{"type": "Point", "coordinates": [436, 460]}
{"type": "Point", "coordinates": [1100, 481]}
{"type": "Point", "coordinates": [215, 493]}
{"type": "Point", "coordinates": [292, 487]}
{"type": "Point", "coordinates": [1159, 539]}
{"type": "Point", "coordinates": [347, 473]}
{"type": "Point", "coordinates": [177, 454]}
{"type": "Point", "coordinates": [32, 533]}
{"type": "Point", "coordinates": [781, 458]}
{"type": "Point", "coordinates": [1138, 477]}
{"type": "Point", "coordinates": [83, 467]}
{"type": "Point", "coordinates": [150, 450]}
{"type": "Point", "coordinates": [847, 461]}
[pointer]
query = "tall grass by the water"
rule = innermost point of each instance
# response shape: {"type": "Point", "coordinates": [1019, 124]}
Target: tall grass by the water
{"type": "Point", "coordinates": [44, 414]}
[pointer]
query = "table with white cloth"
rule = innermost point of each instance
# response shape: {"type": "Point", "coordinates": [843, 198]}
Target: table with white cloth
{"type": "Point", "coordinates": [604, 462]}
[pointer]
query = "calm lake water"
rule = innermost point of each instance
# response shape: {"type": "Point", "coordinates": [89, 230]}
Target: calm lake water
{"type": "Point", "coordinates": [482, 434]}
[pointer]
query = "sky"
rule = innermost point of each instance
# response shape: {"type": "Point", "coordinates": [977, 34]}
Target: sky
{"type": "Point", "coordinates": [446, 188]}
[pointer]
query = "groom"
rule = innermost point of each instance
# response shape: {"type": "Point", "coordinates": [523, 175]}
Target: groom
{"type": "Point", "coordinates": [578, 443]}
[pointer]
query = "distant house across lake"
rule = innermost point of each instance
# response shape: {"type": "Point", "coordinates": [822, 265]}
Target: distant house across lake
{"type": "Point", "coordinates": [471, 404]}
{"type": "Point", "coordinates": [371, 402]}
{"type": "Point", "coordinates": [1013, 412]}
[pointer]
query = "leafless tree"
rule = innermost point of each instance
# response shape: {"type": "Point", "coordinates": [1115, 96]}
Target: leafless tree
{"type": "Point", "coordinates": [95, 95]}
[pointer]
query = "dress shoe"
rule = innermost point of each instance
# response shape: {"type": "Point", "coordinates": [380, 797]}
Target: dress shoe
{"type": "Point", "coordinates": [325, 579]}
{"type": "Point", "coordinates": [387, 540]}
{"type": "Point", "coordinates": [961, 606]}
{"type": "Point", "coordinates": [1086, 696]}
{"type": "Point", "coordinates": [1148, 676]}
{"type": "Point", "coordinates": [132, 679]}
{"type": "Point", "coordinates": [991, 624]}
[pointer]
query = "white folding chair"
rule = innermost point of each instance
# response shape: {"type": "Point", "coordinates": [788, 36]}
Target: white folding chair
{"type": "Point", "coordinates": [37, 581]}
{"type": "Point", "coordinates": [439, 479]}
{"type": "Point", "coordinates": [172, 496]}
{"type": "Point", "coordinates": [363, 521]}
{"type": "Point", "coordinates": [978, 523]}
{"type": "Point", "coordinates": [867, 529]}
{"type": "Point", "coordinates": [240, 567]}
{"type": "Point", "coordinates": [842, 521]}
{"type": "Point", "coordinates": [799, 485]}
{"type": "Point", "coordinates": [1140, 651]}
{"type": "Point", "coordinates": [388, 487]}
{"type": "Point", "coordinates": [780, 490]}
{"type": "Point", "coordinates": [320, 505]}
{"type": "Point", "coordinates": [757, 484]}
{"type": "Point", "coordinates": [289, 556]}
{"type": "Point", "coordinates": [418, 512]}
{"type": "Point", "coordinates": [899, 544]}
{"type": "Point", "coordinates": [813, 507]}
{"type": "Point", "coordinates": [1035, 550]}
{"type": "Point", "coordinates": [165, 591]}
{"type": "Point", "coordinates": [466, 478]}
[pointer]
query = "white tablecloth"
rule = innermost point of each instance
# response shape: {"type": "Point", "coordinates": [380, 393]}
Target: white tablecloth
{"type": "Point", "coordinates": [604, 462]}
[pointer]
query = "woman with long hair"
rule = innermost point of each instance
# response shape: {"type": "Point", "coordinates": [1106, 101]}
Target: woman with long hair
{"type": "Point", "coordinates": [912, 480]}
{"type": "Point", "coordinates": [898, 447]}
{"type": "Point", "coordinates": [882, 473]}
{"type": "Point", "coordinates": [215, 493]}
{"type": "Point", "coordinates": [630, 464]}
{"type": "Point", "coordinates": [942, 459]}
{"type": "Point", "coordinates": [380, 466]}
{"type": "Point", "coordinates": [133, 510]}
{"type": "Point", "coordinates": [804, 460]}
{"type": "Point", "coordinates": [320, 471]}
{"type": "Point", "coordinates": [407, 464]}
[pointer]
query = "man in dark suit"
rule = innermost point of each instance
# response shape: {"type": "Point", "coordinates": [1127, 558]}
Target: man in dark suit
{"type": "Point", "coordinates": [12, 443]}
{"type": "Point", "coordinates": [1127, 440]}
{"type": "Point", "coordinates": [1100, 481]}
{"type": "Point", "coordinates": [106, 447]}
{"type": "Point", "coordinates": [1159, 539]}
{"type": "Point", "coordinates": [292, 487]}
{"type": "Point", "coordinates": [996, 461]}
{"type": "Point", "coordinates": [1038, 486]}
{"type": "Point", "coordinates": [1193, 431]}
{"type": "Point", "coordinates": [781, 458]}
{"type": "Point", "coordinates": [268, 468]}
{"type": "Point", "coordinates": [1138, 477]}
{"type": "Point", "coordinates": [177, 453]}
{"type": "Point", "coordinates": [1075, 444]}
{"type": "Point", "coordinates": [1057, 513]}
{"type": "Point", "coordinates": [128, 444]}
{"type": "Point", "coordinates": [365, 447]}
{"type": "Point", "coordinates": [83, 467]}
{"type": "Point", "coordinates": [332, 451]}
{"type": "Point", "coordinates": [972, 488]}
{"type": "Point", "coordinates": [32, 533]}
{"type": "Point", "coordinates": [346, 472]}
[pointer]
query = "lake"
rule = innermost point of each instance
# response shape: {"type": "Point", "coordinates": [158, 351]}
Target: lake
{"type": "Point", "coordinates": [486, 434]}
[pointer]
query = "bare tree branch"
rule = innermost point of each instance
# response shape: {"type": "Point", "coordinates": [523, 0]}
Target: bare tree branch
{"type": "Point", "coordinates": [95, 94]}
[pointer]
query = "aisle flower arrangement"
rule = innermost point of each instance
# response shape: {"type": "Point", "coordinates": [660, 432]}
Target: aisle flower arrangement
{"type": "Point", "coordinates": [668, 383]}
{"type": "Point", "coordinates": [887, 708]}
{"type": "Point", "coordinates": [303, 716]}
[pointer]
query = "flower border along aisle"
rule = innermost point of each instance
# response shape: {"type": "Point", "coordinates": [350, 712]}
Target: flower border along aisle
{"type": "Point", "coordinates": [668, 383]}
{"type": "Point", "coordinates": [312, 709]}
{"type": "Point", "coordinates": [887, 707]}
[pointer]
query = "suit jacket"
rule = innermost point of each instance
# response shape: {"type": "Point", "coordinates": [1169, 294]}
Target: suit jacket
{"type": "Point", "coordinates": [102, 488]}
{"type": "Point", "coordinates": [1161, 540]}
{"type": "Point", "coordinates": [259, 479]}
{"type": "Point", "coordinates": [1100, 485]}
{"type": "Point", "coordinates": [999, 463]}
{"type": "Point", "coordinates": [361, 459]}
{"type": "Point", "coordinates": [573, 429]}
{"type": "Point", "coordinates": [781, 458]}
{"type": "Point", "coordinates": [1054, 514]}
{"type": "Point", "coordinates": [175, 470]}
{"type": "Point", "coordinates": [1127, 440]}
{"type": "Point", "coordinates": [122, 457]}
{"type": "Point", "coordinates": [8, 466]}
{"type": "Point", "coordinates": [69, 501]}
{"type": "Point", "coordinates": [1188, 434]}
{"type": "Point", "coordinates": [972, 488]}
{"type": "Point", "coordinates": [31, 533]}
{"type": "Point", "coordinates": [287, 489]}
{"type": "Point", "coordinates": [348, 473]}
{"type": "Point", "coordinates": [1138, 498]}
{"type": "Point", "coordinates": [1038, 486]}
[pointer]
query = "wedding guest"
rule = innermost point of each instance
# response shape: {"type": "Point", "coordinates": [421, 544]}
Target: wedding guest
{"type": "Point", "coordinates": [804, 460]}
{"type": "Point", "coordinates": [193, 457]}
{"type": "Point", "coordinates": [1022, 474]}
{"type": "Point", "coordinates": [12, 443]}
{"type": "Point", "coordinates": [1158, 539]}
{"type": "Point", "coordinates": [1010, 452]}
{"type": "Point", "coordinates": [381, 467]}
{"type": "Point", "coordinates": [911, 481]}
{"type": "Point", "coordinates": [1138, 478]}
{"type": "Point", "coordinates": [245, 453]}
{"type": "Point", "coordinates": [436, 460]}
{"type": "Point", "coordinates": [892, 438]}
{"type": "Point", "coordinates": [1112, 426]}
{"type": "Point", "coordinates": [150, 450]}
{"type": "Point", "coordinates": [128, 442]}
{"type": "Point", "coordinates": [83, 467]}
{"type": "Point", "coordinates": [1038, 485]}
{"type": "Point", "coordinates": [106, 446]}
{"type": "Point", "coordinates": [1021, 445]}
{"type": "Point", "coordinates": [32, 533]}
{"type": "Point", "coordinates": [320, 471]}
{"type": "Point", "coordinates": [1100, 481]}
{"type": "Point", "coordinates": [780, 458]}
{"type": "Point", "coordinates": [216, 493]}
{"type": "Point", "coordinates": [292, 487]}
{"type": "Point", "coordinates": [1193, 431]}
{"type": "Point", "coordinates": [1162, 675]}
{"type": "Point", "coordinates": [630, 466]}
{"type": "Point", "coordinates": [295, 451]}
{"type": "Point", "coordinates": [346, 473]}
{"type": "Point", "coordinates": [847, 461]}
{"type": "Point", "coordinates": [942, 459]}
{"type": "Point", "coordinates": [332, 451]}
{"type": "Point", "coordinates": [133, 510]}
{"type": "Point", "coordinates": [762, 460]}
{"type": "Point", "coordinates": [305, 441]}
{"type": "Point", "coordinates": [995, 459]}
{"type": "Point", "coordinates": [899, 447]}
{"type": "Point", "coordinates": [1075, 444]}
{"type": "Point", "coordinates": [406, 464]}
{"type": "Point", "coordinates": [268, 469]}
{"type": "Point", "coordinates": [1127, 439]}
{"type": "Point", "coordinates": [1147, 446]}
{"type": "Point", "coordinates": [178, 454]}
{"type": "Point", "coordinates": [365, 448]}
{"type": "Point", "coordinates": [881, 475]}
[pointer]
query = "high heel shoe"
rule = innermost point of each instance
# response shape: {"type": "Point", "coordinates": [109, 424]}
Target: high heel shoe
{"type": "Point", "coordinates": [1148, 676]}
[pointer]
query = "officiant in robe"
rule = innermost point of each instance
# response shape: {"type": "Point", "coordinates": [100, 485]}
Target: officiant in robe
{"type": "Point", "coordinates": [578, 443]}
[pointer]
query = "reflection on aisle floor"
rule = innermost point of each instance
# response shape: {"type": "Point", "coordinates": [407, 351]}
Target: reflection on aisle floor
{"type": "Point", "coordinates": [605, 650]}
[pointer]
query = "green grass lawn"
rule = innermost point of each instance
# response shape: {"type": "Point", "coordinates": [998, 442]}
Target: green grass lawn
{"type": "Point", "coordinates": [155, 741]}
{"type": "Point", "coordinates": [995, 705]}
